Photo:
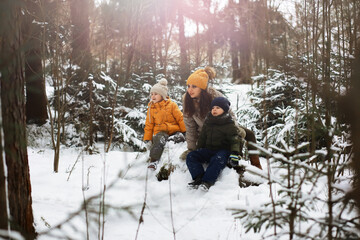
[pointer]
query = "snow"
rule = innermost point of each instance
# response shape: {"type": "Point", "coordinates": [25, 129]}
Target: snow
{"type": "Point", "coordinates": [122, 181]}
{"type": "Point", "coordinates": [172, 210]}
{"type": "Point", "coordinates": [170, 206]}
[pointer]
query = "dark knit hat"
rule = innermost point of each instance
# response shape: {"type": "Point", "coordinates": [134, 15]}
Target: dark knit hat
{"type": "Point", "coordinates": [221, 102]}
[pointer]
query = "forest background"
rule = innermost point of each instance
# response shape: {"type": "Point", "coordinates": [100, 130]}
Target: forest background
{"type": "Point", "coordinates": [100, 60]}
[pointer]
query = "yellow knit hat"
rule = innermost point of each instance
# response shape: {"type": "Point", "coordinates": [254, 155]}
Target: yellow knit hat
{"type": "Point", "coordinates": [198, 78]}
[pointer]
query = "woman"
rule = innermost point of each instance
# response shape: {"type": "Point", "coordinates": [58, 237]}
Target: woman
{"type": "Point", "coordinates": [196, 104]}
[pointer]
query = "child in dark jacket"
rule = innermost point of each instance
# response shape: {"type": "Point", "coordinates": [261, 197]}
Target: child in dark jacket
{"type": "Point", "coordinates": [218, 143]}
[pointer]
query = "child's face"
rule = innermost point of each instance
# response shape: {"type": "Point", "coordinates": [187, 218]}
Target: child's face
{"type": "Point", "coordinates": [155, 97]}
{"type": "Point", "coordinates": [217, 111]}
{"type": "Point", "coordinates": [193, 91]}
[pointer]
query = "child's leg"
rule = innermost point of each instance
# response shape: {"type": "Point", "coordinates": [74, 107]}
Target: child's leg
{"type": "Point", "coordinates": [216, 165]}
{"type": "Point", "coordinates": [195, 160]}
{"type": "Point", "coordinates": [157, 148]}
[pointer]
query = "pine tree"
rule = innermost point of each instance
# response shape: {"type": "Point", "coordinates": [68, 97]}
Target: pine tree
{"type": "Point", "coordinates": [13, 120]}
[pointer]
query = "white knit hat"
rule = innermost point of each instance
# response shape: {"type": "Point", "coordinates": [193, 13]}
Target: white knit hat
{"type": "Point", "coordinates": [161, 88]}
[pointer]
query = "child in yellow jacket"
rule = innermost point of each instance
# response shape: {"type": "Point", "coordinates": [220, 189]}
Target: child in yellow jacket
{"type": "Point", "coordinates": [163, 119]}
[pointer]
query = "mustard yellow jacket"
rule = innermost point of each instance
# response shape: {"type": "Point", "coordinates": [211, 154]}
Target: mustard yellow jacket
{"type": "Point", "coordinates": [164, 116]}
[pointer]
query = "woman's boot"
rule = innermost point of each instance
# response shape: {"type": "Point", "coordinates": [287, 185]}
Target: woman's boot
{"type": "Point", "coordinates": [254, 159]}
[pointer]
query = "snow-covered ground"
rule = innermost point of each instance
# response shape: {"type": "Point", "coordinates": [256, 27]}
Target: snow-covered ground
{"type": "Point", "coordinates": [123, 182]}
{"type": "Point", "coordinates": [170, 206]}
{"type": "Point", "coordinates": [172, 210]}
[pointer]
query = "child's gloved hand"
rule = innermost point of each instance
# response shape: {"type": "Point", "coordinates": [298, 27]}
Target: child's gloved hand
{"type": "Point", "coordinates": [177, 137]}
{"type": "Point", "coordinates": [234, 159]}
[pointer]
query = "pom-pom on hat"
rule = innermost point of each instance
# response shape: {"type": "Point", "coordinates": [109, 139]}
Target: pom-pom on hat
{"type": "Point", "coordinates": [221, 102]}
{"type": "Point", "coordinates": [160, 88]}
{"type": "Point", "coordinates": [201, 77]}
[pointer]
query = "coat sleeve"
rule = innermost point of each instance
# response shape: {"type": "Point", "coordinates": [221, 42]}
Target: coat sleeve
{"type": "Point", "coordinates": [241, 131]}
{"type": "Point", "coordinates": [191, 132]}
{"type": "Point", "coordinates": [235, 139]}
{"type": "Point", "coordinates": [178, 115]}
{"type": "Point", "coordinates": [149, 126]}
{"type": "Point", "coordinates": [201, 143]}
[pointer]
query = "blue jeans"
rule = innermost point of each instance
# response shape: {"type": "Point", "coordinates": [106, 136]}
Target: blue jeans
{"type": "Point", "coordinates": [216, 161]}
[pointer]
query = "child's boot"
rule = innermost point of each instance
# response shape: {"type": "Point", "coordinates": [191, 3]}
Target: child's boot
{"type": "Point", "coordinates": [197, 181]}
{"type": "Point", "coordinates": [152, 164]}
{"type": "Point", "coordinates": [205, 186]}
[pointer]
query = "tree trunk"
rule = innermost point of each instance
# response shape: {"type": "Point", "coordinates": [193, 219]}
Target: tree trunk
{"type": "Point", "coordinates": [81, 29]}
{"type": "Point", "coordinates": [210, 33]}
{"type": "Point", "coordinates": [211, 51]}
{"type": "Point", "coordinates": [81, 54]}
{"type": "Point", "coordinates": [184, 67]}
{"type": "Point", "coordinates": [3, 203]}
{"type": "Point", "coordinates": [234, 51]}
{"type": "Point", "coordinates": [36, 102]}
{"type": "Point", "coordinates": [236, 74]}
{"type": "Point", "coordinates": [14, 126]}
{"type": "Point", "coordinates": [197, 45]}
{"type": "Point", "coordinates": [355, 126]}
{"type": "Point", "coordinates": [245, 45]}
{"type": "Point", "coordinates": [351, 108]}
{"type": "Point", "coordinates": [166, 49]}
{"type": "Point", "coordinates": [146, 38]}
{"type": "Point", "coordinates": [133, 35]}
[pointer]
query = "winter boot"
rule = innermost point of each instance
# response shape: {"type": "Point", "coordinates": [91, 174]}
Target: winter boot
{"type": "Point", "coordinates": [152, 164]}
{"type": "Point", "coordinates": [254, 159]}
{"type": "Point", "coordinates": [197, 181]}
{"type": "Point", "coordinates": [205, 186]}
